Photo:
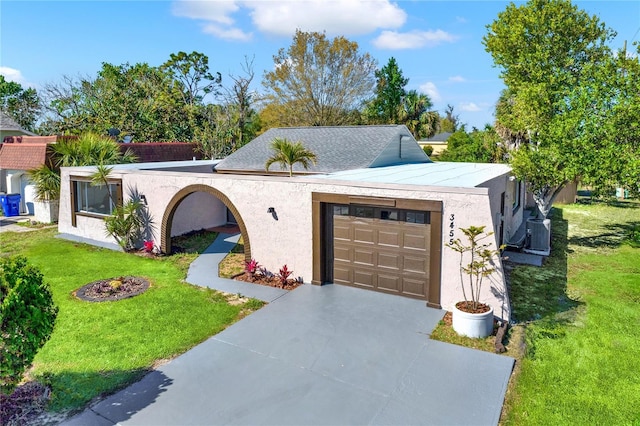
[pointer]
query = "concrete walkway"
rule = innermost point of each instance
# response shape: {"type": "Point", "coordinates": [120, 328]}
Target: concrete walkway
{"type": "Point", "coordinates": [327, 355]}
{"type": "Point", "coordinates": [204, 272]}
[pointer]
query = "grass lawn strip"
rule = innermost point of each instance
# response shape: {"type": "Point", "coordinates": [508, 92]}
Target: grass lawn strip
{"type": "Point", "coordinates": [98, 348]}
{"type": "Point", "coordinates": [581, 364]}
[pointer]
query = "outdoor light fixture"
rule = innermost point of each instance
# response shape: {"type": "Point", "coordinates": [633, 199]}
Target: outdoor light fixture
{"type": "Point", "coordinates": [273, 212]}
{"type": "Point", "coordinates": [144, 199]}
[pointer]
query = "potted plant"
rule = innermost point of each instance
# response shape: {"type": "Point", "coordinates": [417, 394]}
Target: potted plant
{"type": "Point", "coordinates": [471, 317]}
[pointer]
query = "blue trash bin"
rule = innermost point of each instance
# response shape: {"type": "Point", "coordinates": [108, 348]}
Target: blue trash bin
{"type": "Point", "coordinates": [13, 205]}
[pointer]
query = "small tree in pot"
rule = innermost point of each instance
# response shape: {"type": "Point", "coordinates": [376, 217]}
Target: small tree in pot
{"type": "Point", "coordinates": [472, 317]}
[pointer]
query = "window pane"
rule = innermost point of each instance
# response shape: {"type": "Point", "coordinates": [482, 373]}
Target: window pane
{"type": "Point", "coordinates": [363, 212]}
{"type": "Point", "coordinates": [418, 217]}
{"type": "Point", "coordinates": [94, 199]}
{"type": "Point", "coordinates": [387, 214]}
{"type": "Point", "coordinates": [341, 210]}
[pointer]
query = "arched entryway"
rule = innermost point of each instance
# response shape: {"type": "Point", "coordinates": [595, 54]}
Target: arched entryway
{"type": "Point", "coordinates": [167, 219]}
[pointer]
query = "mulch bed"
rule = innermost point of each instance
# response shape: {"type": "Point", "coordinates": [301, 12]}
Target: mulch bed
{"type": "Point", "coordinates": [24, 405]}
{"type": "Point", "coordinates": [268, 281]}
{"type": "Point", "coordinates": [111, 289]}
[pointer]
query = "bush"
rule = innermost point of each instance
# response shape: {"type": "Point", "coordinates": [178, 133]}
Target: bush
{"type": "Point", "coordinates": [27, 317]}
{"type": "Point", "coordinates": [428, 149]}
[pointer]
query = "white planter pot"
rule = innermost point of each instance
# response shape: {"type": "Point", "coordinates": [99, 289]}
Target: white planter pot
{"type": "Point", "coordinates": [472, 325]}
{"type": "Point", "coordinates": [46, 211]}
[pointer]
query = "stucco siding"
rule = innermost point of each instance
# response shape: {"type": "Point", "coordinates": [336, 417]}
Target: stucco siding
{"type": "Point", "coordinates": [198, 211]}
{"type": "Point", "coordinates": [287, 238]}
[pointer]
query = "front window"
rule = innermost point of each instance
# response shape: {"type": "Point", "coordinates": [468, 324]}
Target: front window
{"type": "Point", "coordinates": [95, 199]}
{"type": "Point", "coordinates": [98, 200]}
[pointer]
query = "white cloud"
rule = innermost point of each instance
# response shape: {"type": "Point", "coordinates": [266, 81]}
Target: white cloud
{"type": "Point", "coordinates": [213, 11]}
{"type": "Point", "coordinates": [337, 17]}
{"type": "Point", "coordinates": [227, 33]}
{"type": "Point", "coordinates": [430, 89]}
{"type": "Point", "coordinates": [412, 39]}
{"type": "Point", "coordinates": [461, 19]}
{"type": "Point", "coordinates": [470, 107]}
{"type": "Point", "coordinates": [283, 17]}
{"type": "Point", "coordinates": [457, 79]}
{"type": "Point", "coordinates": [12, 74]}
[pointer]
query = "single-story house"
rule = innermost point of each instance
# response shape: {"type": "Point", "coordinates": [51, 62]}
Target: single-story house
{"type": "Point", "coordinates": [374, 212]}
{"type": "Point", "coordinates": [438, 142]}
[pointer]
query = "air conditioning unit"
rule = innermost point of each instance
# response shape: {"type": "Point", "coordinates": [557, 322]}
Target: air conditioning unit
{"type": "Point", "coordinates": [538, 237]}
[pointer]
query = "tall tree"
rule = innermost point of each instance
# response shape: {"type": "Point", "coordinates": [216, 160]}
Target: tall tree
{"type": "Point", "coordinates": [191, 72]}
{"type": "Point", "coordinates": [319, 82]}
{"type": "Point", "coordinates": [450, 122]}
{"type": "Point", "coordinates": [545, 49]}
{"type": "Point", "coordinates": [479, 146]}
{"type": "Point", "coordinates": [414, 112]}
{"type": "Point", "coordinates": [287, 154]}
{"type": "Point", "coordinates": [23, 105]}
{"type": "Point", "coordinates": [389, 94]}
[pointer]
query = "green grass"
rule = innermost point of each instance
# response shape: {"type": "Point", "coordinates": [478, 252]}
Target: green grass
{"type": "Point", "coordinates": [581, 364]}
{"type": "Point", "coordinates": [97, 348]}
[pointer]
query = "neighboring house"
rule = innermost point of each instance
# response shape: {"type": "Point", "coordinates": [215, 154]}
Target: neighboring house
{"type": "Point", "coordinates": [19, 154]}
{"type": "Point", "coordinates": [374, 212]}
{"type": "Point", "coordinates": [438, 142]}
{"type": "Point", "coordinates": [9, 127]}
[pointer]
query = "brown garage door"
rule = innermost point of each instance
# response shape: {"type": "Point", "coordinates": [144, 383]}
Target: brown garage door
{"type": "Point", "coordinates": [382, 249]}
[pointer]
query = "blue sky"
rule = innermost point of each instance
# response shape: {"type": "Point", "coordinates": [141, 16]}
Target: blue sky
{"type": "Point", "coordinates": [437, 43]}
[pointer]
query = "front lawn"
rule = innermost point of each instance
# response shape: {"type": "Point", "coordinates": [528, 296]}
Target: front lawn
{"type": "Point", "coordinates": [582, 316]}
{"type": "Point", "coordinates": [97, 348]}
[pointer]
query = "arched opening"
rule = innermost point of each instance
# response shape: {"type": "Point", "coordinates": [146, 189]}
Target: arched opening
{"type": "Point", "coordinates": [167, 219]}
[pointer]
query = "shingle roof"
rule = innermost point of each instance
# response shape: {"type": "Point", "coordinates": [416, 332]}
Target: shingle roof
{"type": "Point", "coordinates": [9, 124]}
{"type": "Point", "coordinates": [23, 156]}
{"type": "Point", "coordinates": [440, 137]}
{"type": "Point", "coordinates": [336, 148]}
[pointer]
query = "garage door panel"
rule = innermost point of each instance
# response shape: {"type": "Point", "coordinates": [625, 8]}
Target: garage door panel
{"type": "Point", "coordinates": [389, 260]}
{"type": "Point", "coordinates": [342, 274]}
{"type": "Point", "coordinates": [389, 238]}
{"type": "Point", "coordinates": [363, 278]}
{"type": "Point", "coordinates": [414, 287]}
{"type": "Point", "coordinates": [342, 232]}
{"type": "Point", "coordinates": [415, 264]}
{"type": "Point", "coordinates": [415, 241]}
{"type": "Point", "coordinates": [364, 256]}
{"type": "Point", "coordinates": [364, 235]}
{"type": "Point", "coordinates": [342, 253]}
{"type": "Point", "coordinates": [389, 283]}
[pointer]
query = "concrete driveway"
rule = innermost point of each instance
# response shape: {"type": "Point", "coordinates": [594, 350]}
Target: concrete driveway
{"type": "Point", "coordinates": [327, 355]}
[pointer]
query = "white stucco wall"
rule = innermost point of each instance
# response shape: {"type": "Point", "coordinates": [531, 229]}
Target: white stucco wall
{"type": "Point", "coordinates": [288, 240]}
{"type": "Point", "coordinates": [199, 210]}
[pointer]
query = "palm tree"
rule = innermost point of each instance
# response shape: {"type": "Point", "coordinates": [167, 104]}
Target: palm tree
{"type": "Point", "coordinates": [88, 150]}
{"type": "Point", "coordinates": [414, 113]}
{"type": "Point", "coordinates": [287, 153]}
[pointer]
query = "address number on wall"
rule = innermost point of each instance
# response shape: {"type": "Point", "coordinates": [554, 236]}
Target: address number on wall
{"type": "Point", "coordinates": [452, 225]}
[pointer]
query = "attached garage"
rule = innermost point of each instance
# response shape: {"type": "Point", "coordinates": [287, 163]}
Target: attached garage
{"type": "Point", "coordinates": [386, 245]}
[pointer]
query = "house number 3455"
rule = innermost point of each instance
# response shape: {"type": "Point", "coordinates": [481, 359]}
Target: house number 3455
{"type": "Point", "coordinates": [452, 225]}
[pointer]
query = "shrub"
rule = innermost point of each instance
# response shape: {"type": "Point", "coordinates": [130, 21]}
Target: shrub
{"type": "Point", "coordinates": [251, 267]}
{"type": "Point", "coordinates": [428, 149]}
{"type": "Point", "coordinates": [283, 275]}
{"type": "Point", "coordinates": [27, 317]}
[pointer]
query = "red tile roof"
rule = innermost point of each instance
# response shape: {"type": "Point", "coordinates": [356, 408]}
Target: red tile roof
{"type": "Point", "coordinates": [22, 156]}
{"type": "Point", "coordinates": [153, 152]}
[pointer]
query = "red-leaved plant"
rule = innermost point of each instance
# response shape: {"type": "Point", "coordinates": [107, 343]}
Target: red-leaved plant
{"type": "Point", "coordinates": [251, 267]}
{"type": "Point", "coordinates": [148, 246]}
{"type": "Point", "coordinates": [283, 274]}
